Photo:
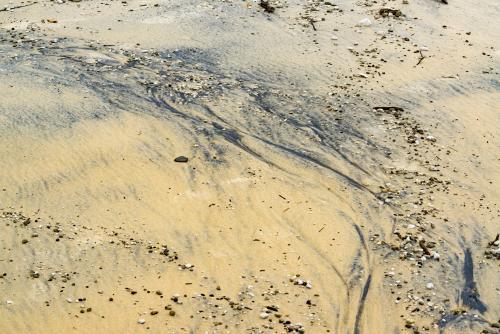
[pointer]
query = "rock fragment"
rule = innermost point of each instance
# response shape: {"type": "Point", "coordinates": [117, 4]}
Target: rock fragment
{"type": "Point", "coordinates": [181, 159]}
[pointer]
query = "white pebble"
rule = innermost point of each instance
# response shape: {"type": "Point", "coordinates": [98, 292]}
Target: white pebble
{"type": "Point", "coordinates": [364, 22]}
{"type": "Point", "coordinates": [264, 315]}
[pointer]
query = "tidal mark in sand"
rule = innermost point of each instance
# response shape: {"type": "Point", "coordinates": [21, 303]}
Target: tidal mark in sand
{"type": "Point", "coordinates": [470, 294]}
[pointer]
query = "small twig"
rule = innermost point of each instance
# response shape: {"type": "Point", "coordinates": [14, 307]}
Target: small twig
{"type": "Point", "coordinates": [311, 21]}
{"type": "Point", "coordinates": [321, 229]}
{"type": "Point", "coordinates": [6, 9]}
{"type": "Point", "coordinates": [422, 57]}
{"type": "Point", "coordinates": [491, 243]}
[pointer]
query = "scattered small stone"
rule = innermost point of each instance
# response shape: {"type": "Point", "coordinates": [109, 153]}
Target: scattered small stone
{"type": "Point", "coordinates": [175, 299]}
{"type": "Point", "coordinates": [266, 6]}
{"type": "Point", "coordinates": [297, 281]}
{"type": "Point", "coordinates": [181, 159]}
{"type": "Point", "coordinates": [366, 22]}
{"type": "Point", "coordinates": [493, 249]}
{"type": "Point", "coordinates": [385, 12]}
{"type": "Point", "coordinates": [186, 266]}
{"type": "Point", "coordinates": [430, 138]}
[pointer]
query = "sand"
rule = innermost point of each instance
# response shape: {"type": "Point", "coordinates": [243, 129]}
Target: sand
{"type": "Point", "coordinates": [341, 177]}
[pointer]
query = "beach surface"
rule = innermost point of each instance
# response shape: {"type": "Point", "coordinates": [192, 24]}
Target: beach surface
{"type": "Point", "coordinates": [249, 167]}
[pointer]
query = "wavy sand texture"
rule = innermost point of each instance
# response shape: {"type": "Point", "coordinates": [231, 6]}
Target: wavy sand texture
{"type": "Point", "coordinates": [341, 176]}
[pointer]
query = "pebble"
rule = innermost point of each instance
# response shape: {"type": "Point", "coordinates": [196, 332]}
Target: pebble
{"type": "Point", "coordinates": [366, 22]}
{"type": "Point", "coordinates": [264, 315]}
{"type": "Point", "coordinates": [187, 266]}
{"type": "Point", "coordinates": [141, 321]}
{"type": "Point", "coordinates": [431, 138]}
{"type": "Point", "coordinates": [181, 158]}
{"type": "Point", "coordinates": [429, 286]}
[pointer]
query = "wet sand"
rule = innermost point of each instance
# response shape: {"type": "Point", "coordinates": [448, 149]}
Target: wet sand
{"type": "Point", "coordinates": [341, 177]}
